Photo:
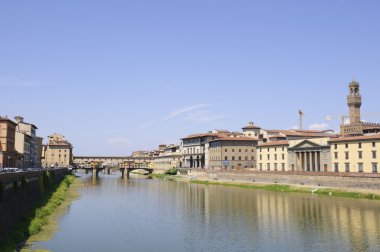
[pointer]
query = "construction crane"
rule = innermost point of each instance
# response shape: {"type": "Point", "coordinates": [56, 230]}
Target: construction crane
{"type": "Point", "coordinates": [301, 114]}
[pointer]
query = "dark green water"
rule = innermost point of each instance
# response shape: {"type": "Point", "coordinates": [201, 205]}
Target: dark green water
{"type": "Point", "coordinates": [115, 214]}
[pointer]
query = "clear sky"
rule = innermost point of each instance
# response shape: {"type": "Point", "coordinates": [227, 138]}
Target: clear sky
{"type": "Point", "coordinates": [120, 75]}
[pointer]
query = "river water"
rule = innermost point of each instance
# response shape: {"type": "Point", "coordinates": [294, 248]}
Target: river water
{"type": "Point", "coordinates": [140, 214]}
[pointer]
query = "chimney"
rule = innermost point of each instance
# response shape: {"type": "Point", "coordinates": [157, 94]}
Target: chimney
{"type": "Point", "coordinates": [19, 119]}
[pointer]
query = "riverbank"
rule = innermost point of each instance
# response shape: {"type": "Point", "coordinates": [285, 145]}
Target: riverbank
{"type": "Point", "coordinates": [292, 189]}
{"type": "Point", "coordinates": [34, 222]}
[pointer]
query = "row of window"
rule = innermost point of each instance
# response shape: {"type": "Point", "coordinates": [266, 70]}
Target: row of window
{"type": "Point", "coordinates": [275, 168]}
{"type": "Point", "coordinates": [359, 145]}
{"type": "Point", "coordinates": [233, 158]}
{"type": "Point", "coordinates": [275, 157]}
{"type": "Point", "coordinates": [275, 149]}
{"type": "Point", "coordinates": [360, 167]}
{"type": "Point", "coordinates": [360, 155]}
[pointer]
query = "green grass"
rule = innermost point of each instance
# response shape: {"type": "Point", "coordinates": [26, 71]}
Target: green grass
{"type": "Point", "coordinates": [288, 188]}
{"type": "Point", "coordinates": [34, 221]}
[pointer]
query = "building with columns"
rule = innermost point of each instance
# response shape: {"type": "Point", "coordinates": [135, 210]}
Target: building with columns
{"type": "Point", "coordinates": [309, 155]}
{"type": "Point", "coordinates": [193, 148]}
{"type": "Point", "coordinates": [306, 155]}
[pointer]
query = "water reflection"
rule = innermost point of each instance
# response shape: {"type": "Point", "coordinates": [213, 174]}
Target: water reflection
{"type": "Point", "coordinates": [153, 215]}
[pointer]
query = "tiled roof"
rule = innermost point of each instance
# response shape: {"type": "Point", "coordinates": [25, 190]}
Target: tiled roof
{"type": "Point", "coordinates": [228, 138]}
{"type": "Point", "coordinates": [275, 143]}
{"type": "Point", "coordinates": [356, 138]}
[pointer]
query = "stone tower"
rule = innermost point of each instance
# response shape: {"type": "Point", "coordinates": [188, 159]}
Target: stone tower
{"type": "Point", "coordinates": [354, 101]}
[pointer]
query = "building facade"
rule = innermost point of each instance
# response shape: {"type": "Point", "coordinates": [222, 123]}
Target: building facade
{"type": "Point", "coordinates": [273, 156]}
{"type": "Point", "coordinates": [309, 155]}
{"type": "Point", "coordinates": [8, 154]}
{"type": "Point", "coordinates": [360, 154]}
{"type": "Point", "coordinates": [58, 152]}
{"type": "Point", "coordinates": [169, 158]}
{"type": "Point", "coordinates": [193, 148]}
{"type": "Point", "coordinates": [231, 153]}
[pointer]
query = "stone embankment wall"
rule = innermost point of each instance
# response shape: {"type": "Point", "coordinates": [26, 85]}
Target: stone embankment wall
{"type": "Point", "coordinates": [20, 193]}
{"type": "Point", "coordinates": [335, 180]}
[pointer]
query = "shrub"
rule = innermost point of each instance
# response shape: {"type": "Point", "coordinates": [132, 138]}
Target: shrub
{"type": "Point", "coordinates": [172, 171]}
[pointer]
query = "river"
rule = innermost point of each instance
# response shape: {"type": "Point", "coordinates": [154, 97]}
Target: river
{"type": "Point", "coordinates": [140, 214]}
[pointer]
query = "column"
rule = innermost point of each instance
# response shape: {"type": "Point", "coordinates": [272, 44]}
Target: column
{"type": "Point", "coordinates": [304, 161]}
{"type": "Point", "coordinates": [315, 162]}
{"type": "Point", "coordinates": [296, 168]}
{"type": "Point", "coordinates": [319, 161]}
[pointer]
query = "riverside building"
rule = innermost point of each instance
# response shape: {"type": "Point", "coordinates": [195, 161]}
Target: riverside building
{"type": "Point", "coordinates": [358, 154]}
{"type": "Point", "coordinates": [231, 152]}
{"type": "Point", "coordinates": [58, 152]}
{"type": "Point", "coordinates": [8, 154]}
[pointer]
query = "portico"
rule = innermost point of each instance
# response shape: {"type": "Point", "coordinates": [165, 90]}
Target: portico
{"type": "Point", "coordinates": [309, 155]}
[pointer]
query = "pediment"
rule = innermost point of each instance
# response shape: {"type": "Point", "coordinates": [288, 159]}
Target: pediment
{"type": "Point", "coordinates": [305, 145]}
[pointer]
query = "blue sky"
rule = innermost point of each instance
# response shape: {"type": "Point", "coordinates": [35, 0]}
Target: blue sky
{"type": "Point", "coordinates": [128, 75]}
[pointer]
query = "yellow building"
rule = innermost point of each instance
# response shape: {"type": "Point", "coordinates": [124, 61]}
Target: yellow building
{"type": "Point", "coordinates": [356, 154]}
{"type": "Point", "coordinates": [273, 156]}
{"type": "Point", "coordinates": [58, 152]}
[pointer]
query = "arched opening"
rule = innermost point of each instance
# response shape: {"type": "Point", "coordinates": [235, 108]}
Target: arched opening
{"type": "Point", "coordinates": [191, 162]}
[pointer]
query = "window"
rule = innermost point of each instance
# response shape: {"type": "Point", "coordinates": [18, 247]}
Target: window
{"type": "Point", "coordinates": [374, 154]}
{"type": "Point", "coordinates": [261, 150]}
{"type": "Point", "coordinates": [225, 150]}
{"type": "Point", "coordinates": [360, 145]}
{"type": "Point", "coordinates": [261, 157]}
{"type": "Point", "coordinates": [347, 155]}
{"type": "Point", "coordinates": [268, 167]}
{"type": "Point", "coordinates": [346, 146]}
{"type": "Point", "coordinates": [275, 156]}
{"type": "Point", "coordinates": [374, 144]}
{"type": "Point", "coordinates": [336, 155]}
{"type": "Point", "coordinates": [283, 166]}
{"type": "Point", "coordinates": [253, 158]}
{"type": "Point", "coordinates": [283, 149]}
{"type": "Point", "coordinates": [246, 150]}
{"type": "Point", "coordinates": [233, 150]}
{"type": "Point", "coordinates": [240, 158]}
{"type": "Point", "coordinates": [283, 156]}
{"type": "Point", "coordinates": [335, 146]}
{"type": "Point", "coordinates": [239, 150]}
{"type": "Point", "coordinates": [360, 167]}
{"type": "Point", "coordinates": [233, 158]}
{"type": "Point", "coordinates": [347, 167]}
{"type": "Point", "coordinates": [374, 167]}
{"type": "Point", "coordinates": [268, 156]}
{"type": "Point", "coordinates": [275, 149]}
{"type": "Point", "coordinates": [275, 167]}
{"type": "Point", "coordinates": [246, 158]}
{"type": "Point", "coordinates": [336, 167]}
{"type": "Point", "coordinates": [261, 166]}
{"type": "Point", "coordinates": [226, 158]}
{"type": "Point", "coordinates": [360, 154]}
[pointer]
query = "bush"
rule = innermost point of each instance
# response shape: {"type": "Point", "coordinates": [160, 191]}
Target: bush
{"type": "Point", "coordinates": [172, 171]}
